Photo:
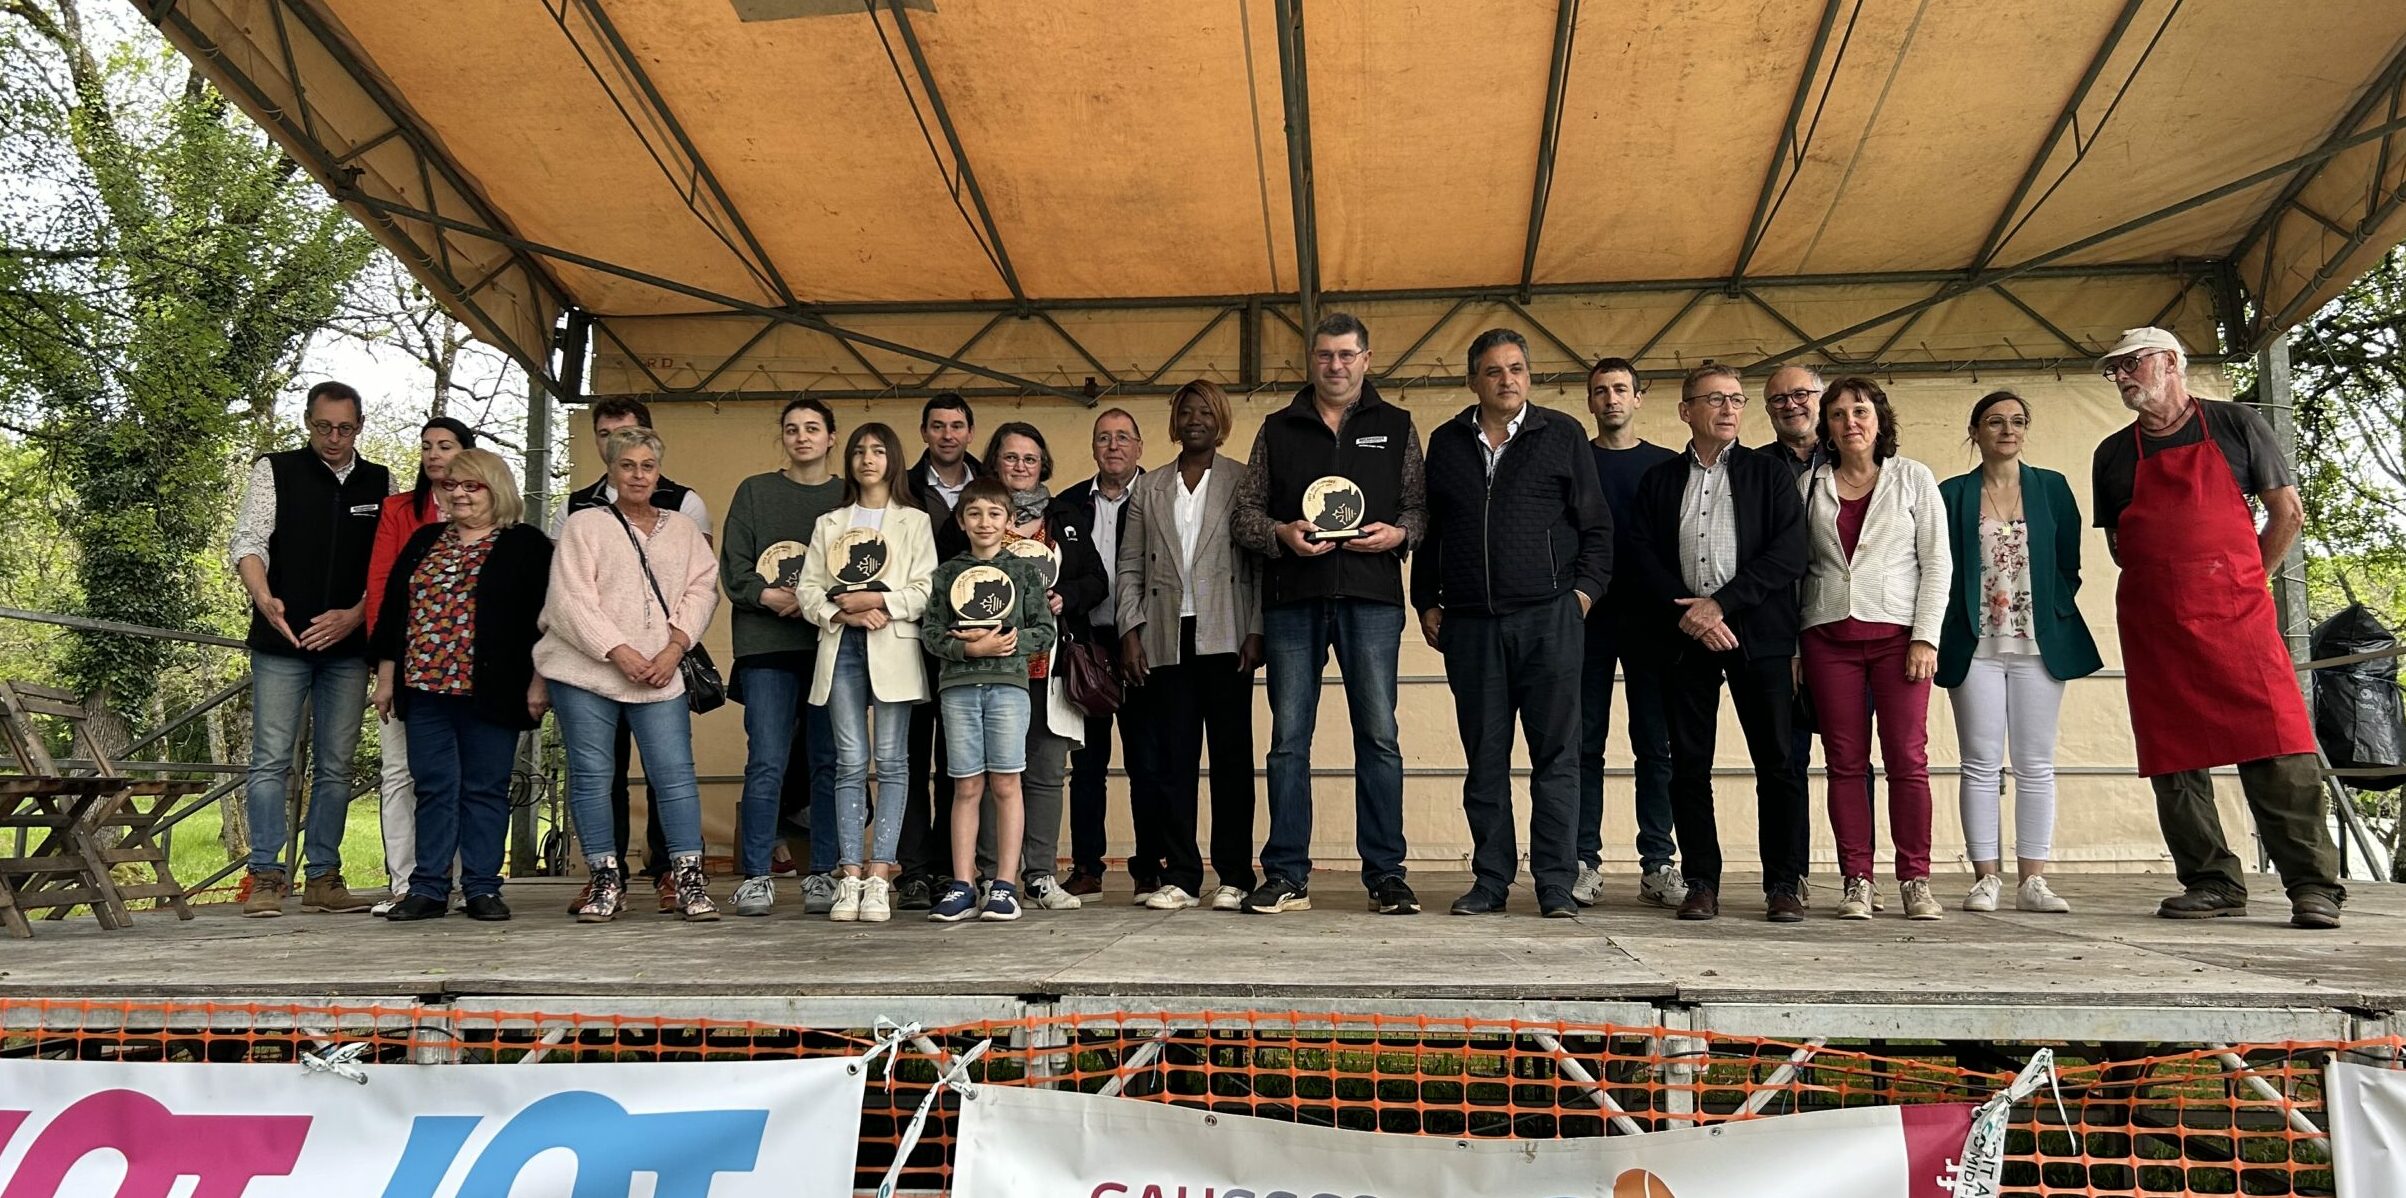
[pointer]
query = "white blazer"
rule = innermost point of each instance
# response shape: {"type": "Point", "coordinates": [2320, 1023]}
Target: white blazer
{"type": "Point", "coordinates": [896, 673]}
{"type": "Point", "coordinates": [1901, 568]}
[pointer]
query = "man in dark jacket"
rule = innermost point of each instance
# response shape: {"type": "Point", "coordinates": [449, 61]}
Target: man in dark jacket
{"type": "Point", "coordinates": [1519, 546]}
{"type": "Point", "coordinates": [1719, 545]}
{"type": "Point", "coordinates": [301, 543]}
{"type": "Point", "coordinates": [946, 423]}
{"type": "Point", "coordinates": [1348, 594]}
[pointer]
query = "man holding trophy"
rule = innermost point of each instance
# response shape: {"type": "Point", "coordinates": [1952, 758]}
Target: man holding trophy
{"type": "Point", "coordinates": [1332, 498]}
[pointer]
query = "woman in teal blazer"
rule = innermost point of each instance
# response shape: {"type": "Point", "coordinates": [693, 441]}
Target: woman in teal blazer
{"type": "Point", "coordinates": [2011, 638]}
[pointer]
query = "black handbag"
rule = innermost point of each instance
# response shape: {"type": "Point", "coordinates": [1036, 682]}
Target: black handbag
{"type": "Point", "coordinates": [705, 691]}
{"type": "Point", "coordinates": [1088, 677]}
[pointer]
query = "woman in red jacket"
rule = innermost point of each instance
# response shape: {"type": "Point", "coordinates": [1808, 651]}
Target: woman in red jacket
{"type": "Point", "coordinates": [406, 513]}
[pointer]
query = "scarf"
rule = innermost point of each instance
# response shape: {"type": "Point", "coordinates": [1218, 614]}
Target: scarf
{"type": "Point", "coordinates": [1030, 504]}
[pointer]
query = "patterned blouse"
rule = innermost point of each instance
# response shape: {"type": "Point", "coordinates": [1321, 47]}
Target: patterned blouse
{"type": "Point", "coordinates": [440, 654]}
{"type": "Point", "coordinates": [2005, 625]}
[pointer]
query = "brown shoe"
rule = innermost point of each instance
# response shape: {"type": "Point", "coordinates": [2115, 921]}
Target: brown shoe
{"type": "Point", "coordinates": [268, 888]}
{"type": "Point", "coordinates": [1703, 902]}
{"type": "Point", "coordinates": [1083, 884]}
{"type": "Point", "coordinates": [2313, 911]}
{"type": "Point", "coordinates": [584, 895]}
{"type": "Point", "coordinates": [1783, 906]}
{"type": "Point", "coordinates": [666, 887]}
{"type": "Point", "coordinates": [326, 892]}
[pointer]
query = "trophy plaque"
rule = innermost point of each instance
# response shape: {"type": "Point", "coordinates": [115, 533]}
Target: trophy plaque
{"type": "Point", "coordinates": [780, 565]}
{"type": "Point", "coordinates": [984, 596]}
{"type": "Point", "coordinates": [1334, 506]}
{"type": "Point", "coordinates": [1046, 557]}
{"type": "Point", "coordinates": [859, 557]}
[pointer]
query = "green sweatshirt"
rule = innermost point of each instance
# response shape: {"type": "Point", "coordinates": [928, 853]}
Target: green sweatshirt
{"type": "Point", "coordinates": [769, 508]}
{"type": "Point", "coordinates": [1034, 620]}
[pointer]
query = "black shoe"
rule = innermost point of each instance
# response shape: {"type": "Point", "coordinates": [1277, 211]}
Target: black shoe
{"type": "Point", "coordinates": [2200, 903]}
{"type": "Point", "coordinates": [1783, 905]}
{"type": "Point", "coordinates": [914, 895]}
{"type": "Point", "coordinates": [1703, 902]}
{"type": "Point", "coordinates": [1389, 896]}
{"type": "Point", "coordinates": [487, 908]}
{"type": "Point", "coordinates": [1278, 895]}
{"type": "Point", "coordinates": [418, 906]}
{"type": "Point", "coordinates": [2313, 911]}
{"type": "Point", "coordinates": [1558, 905]}
{"type": "Point", "coordinates": [1477, 902]}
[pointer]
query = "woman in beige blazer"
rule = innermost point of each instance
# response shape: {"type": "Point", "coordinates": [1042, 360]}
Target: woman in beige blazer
{"type": "Point", "coordinates": [1190, 633]}
{"type": "Point", "coordinates": [865, 584]}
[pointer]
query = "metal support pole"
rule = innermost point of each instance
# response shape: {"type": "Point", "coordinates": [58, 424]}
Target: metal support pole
{"type": "Point", "coordinates": [1296, 94]}
{"type": "Point", "coordinates": [1248, 345]}
{"type": "Point", "coordinates": [2278, 405]}
{"type": "Point", "coordinates": [1683, 1063]}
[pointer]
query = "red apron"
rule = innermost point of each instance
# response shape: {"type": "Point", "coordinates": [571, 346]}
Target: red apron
{"type": "Point", "coordinates": [2209, 676]}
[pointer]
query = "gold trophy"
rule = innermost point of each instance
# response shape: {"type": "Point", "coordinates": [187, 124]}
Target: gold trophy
{"type": "Point", "coordinates": [780, 565]}
{"type": "Point", "coordinates": [1046, 557]}
{"type": "Point", "coordinates": [859, 557]}
{"type": "Point", "coordinates": [1334, 506]}
{"type": "Point", "coordinates": [985, 596]}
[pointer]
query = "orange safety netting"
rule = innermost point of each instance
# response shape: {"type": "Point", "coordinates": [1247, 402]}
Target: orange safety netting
{"type": "Point", "coordinates": [2183, 1122]}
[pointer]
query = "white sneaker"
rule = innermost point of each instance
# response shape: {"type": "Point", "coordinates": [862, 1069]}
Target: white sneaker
{"type": "Point", "coordinates": [2035, 895]}
{"type": "Point", "coordinates": [1984, 894]}
{"type": "Point", "coordinates": [382, 907]}
{"type": "Point", "coordinates": [1857, 903]}
{"type": "Point", "coordinates": [1172, 898]}
{"type": "Point", "coordinates": [1919, 904]}
{"type": "Point", "coordinates": [756, 896]}
{"type": "Point", "coordinates": [1661, 886]}
{"type": "Point", "coordinates": [1144, 898]}
{"type": "Point", "coordinates": [1589, 889]}
{"type": "Point", "coordinates": [876, 900]}
{"type": "Point", "coordinates": [848, 892]}
{"type": "Point", "coordinates": [1047, 893]}
{"type": "Point", "coordinates": [1227, 898]}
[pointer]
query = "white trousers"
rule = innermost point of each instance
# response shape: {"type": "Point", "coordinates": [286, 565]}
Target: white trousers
{"type": "Point", "coordinates": [2007, 699]}
{"type": "Point", "coordinates": [397, 806]}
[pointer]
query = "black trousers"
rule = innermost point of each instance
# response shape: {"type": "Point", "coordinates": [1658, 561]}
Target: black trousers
{"type": "Point", "coordinates": [926, 847]}
{"type": "Point", "coordinates": [1197, 701]}
{"type": "Point", "coordinates": [1520, 663]}
{"type": "Point", "coordinates": [655, 844]}
{"type": "Point", "coordinates": [1090, 779]}
{"type": "Point", "coordinates": [1764, 691]}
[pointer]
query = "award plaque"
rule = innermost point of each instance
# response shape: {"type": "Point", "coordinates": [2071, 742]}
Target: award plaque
{"type": "Point", "coordinates": [780, 565]}
{"type": "Point", "coordinates": [984, 596]}
{"type": "Point", "coordinates": [1046, 557]}
{"type": "Point", "coordinates": [1334, 506]}
{"type": "Point", "coordinates": [859, 557]}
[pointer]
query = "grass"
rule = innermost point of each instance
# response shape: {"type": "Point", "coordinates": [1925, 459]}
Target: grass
{"type": "Point", "coordinates": [195, 852]}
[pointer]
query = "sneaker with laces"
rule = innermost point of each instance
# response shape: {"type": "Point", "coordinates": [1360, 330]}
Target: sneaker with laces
{"type": "Point", "coordinates": [1661, 886]}
{"type": "Point", "coordinates": [384, 906]}
{"type": "Point", "coordinates": [2035, 895]}
{"type": "Point", "coordinates": [756, 895]}
{"type": "Point", "coordinates": [848, 894]}
{"type": "Point", "coordinates": [1049, 894]}
{"type": "Point", "coordinates": [1919, 903]}
{"type": "Point", "coordinates": [914, 894]}
{"type": "Point", "coordinates": [1277, 895]}
{"type": "Point", "coordinates": [267, 894]}
{"type": "Point", "coordinates": [1588, 890]}
{"type": "Point", "coordinates": [692, 890]}
{"type": "Point", "coordinates": [1002, 903]}
{"type": "Point", "coordinates": [1391, 896]}
{"type": "Point", "coordinates": [1172, 898]}
{"type": "Point", "coordinates": [326, 892]}
{"type": "Point", "coordinates": [876, 900]}
{"type": "Point", "coordinates": [1227, 898]}
{"type": "Point", "coordinates": [818, 894]}
{"type": "Point", "coordinates": [958, 902]}
{"type": "Point", "coordinates": [1857, 903]}
{"type": "Point", "coordinates": [1984, 894]}
{"type": "Point", "coordinates": [1143, 895]}
{"type": "Point", "coordinates": [605, 893]}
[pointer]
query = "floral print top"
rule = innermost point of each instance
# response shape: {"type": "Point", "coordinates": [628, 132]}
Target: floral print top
{"type": "Point", "coordinates": [440, 653]}
{"type": "Point", "coordinates": [2005, 624]}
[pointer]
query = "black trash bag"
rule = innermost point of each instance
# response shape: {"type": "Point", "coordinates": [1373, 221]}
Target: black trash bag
{"type": "Point", "coordinates": [2357, 714]}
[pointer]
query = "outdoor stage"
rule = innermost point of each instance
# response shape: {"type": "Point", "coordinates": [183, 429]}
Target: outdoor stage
{"type": "Point", "coordinates": [2110, 972]}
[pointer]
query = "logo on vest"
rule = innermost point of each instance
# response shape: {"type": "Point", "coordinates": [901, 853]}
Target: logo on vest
{"type": "Point", "coordinates": [1375, 442]}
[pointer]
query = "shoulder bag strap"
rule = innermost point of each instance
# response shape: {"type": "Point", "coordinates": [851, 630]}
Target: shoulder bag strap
{"type": "Point", "coordinates": [645, 560]}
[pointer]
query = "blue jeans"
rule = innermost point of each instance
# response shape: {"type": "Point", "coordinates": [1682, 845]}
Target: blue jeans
{"type": "Point", "coordinates": [460, 763]}
{"type": "Point", "coordinates": [985, 729]}
{"type": "Point", "coordinates": [849, 703]}
{"type": "Point", "coordinates": [1297, 637]}
{"type": "Point", "coordinates": [279, 686]}
{"type": "Point", "coordinates": [1649, 737]}
{"type": "Point", "coordinates": [663, 733]}
{"type": "Point", "coordinates": [772, 699]}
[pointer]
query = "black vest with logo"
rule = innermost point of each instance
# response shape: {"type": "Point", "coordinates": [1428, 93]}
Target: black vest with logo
{"type": "Point", "coordinates": [666, 495]}
{"type": "Point", "coordinates": [317, 557]}
{"type": "Point", "coordinates": [1367, 448]}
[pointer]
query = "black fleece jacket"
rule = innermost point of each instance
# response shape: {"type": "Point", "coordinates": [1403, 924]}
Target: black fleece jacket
{"type": "Point", "coordinates": [1539, 528]}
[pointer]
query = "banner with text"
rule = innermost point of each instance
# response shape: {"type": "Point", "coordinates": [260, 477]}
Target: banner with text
{"type": "Point", "coordinates": [743, 1129]}
{"type": "Point", "coordinates": [1035, 1143]}
{"type": "Point", "coordinates": [2368, 1129]}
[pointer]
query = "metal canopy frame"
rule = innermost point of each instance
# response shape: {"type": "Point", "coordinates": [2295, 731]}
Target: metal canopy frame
{"type": "Point", "coordinates": [427, 229]}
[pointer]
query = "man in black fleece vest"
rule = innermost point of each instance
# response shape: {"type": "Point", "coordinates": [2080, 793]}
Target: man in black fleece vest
{"type": "Point", "coordinates": [1519, 548]}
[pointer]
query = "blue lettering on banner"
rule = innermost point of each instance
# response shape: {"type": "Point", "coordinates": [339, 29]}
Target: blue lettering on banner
{"type": "Point", "coordinates": [682, 1150]}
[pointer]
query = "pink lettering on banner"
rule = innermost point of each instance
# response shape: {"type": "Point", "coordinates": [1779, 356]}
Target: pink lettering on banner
{"type": "Point", "coordinates": [224, 1152]}
{"type": "Point", "coordinates": [1934, 1135]}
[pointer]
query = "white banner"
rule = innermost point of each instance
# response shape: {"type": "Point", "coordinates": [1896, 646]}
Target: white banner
{"type": "Point", "coordinates": [743, 1129]}
{"type": "Point", "coordinates": [2367, 1112]}
{"type": "Point", "coordinates": [1036, 1143]}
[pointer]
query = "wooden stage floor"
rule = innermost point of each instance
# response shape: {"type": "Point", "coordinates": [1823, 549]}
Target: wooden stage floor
{"type": "Point", "coordinates": [2109, 971]}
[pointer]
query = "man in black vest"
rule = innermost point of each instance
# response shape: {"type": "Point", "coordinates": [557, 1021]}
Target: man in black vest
{"type": "Point", "coordinates": [946, 424]}
{"type": "Point", "coordinates": [1344, 593]}
{"type": "Point", "coordinates": [301, 542]}
{"type": "Point", "coordinates": [609, 415]}
{"type": "Point", "coordinates": [1519, 547]}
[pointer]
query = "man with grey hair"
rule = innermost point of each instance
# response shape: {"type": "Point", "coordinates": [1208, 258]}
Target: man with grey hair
{"type": "Point", "coordinates": [1792, 398]}
{"type": "Point", "coordinates": [2209, 677]}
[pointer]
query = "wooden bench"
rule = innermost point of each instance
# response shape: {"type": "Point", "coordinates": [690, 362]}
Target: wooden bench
{"type": "Point", "coordinates": [78, 827]}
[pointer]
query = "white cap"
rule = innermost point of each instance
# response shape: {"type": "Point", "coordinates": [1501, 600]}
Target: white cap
{"type": "Point", "coordinates": [2135, 340]}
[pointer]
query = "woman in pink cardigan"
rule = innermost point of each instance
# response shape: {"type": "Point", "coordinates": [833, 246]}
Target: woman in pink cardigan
{"type": "Point", "coordinates": [609, 648]}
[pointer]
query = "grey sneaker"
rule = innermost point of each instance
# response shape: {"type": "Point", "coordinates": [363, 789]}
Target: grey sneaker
{"type": "Point", "coordinates": [1660, 886]}
{"type": "Point", "coordinates": [1919, 903]}
{"type": "Point", "coordinates": [818, 894]}
{"type": "Point", "coordinates": [1589, 889]}
{"type": "Point", "coordinates": [756, 896]}
{"type": "Point", "coordinates": [1049, 894]}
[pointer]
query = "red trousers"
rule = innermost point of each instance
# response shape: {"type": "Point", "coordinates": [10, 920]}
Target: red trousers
{"type": "Point", "coordinates": [1853, 680]}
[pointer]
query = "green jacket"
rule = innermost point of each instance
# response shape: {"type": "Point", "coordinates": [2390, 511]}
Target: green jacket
{"type": "Point", "coordinates": [2064, 643]}
{"type": "Point", "coordinates": [1034, 620]}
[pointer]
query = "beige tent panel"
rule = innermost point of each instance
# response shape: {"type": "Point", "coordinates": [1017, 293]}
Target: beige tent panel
{"type": "Point", "coordinates": [2343, 220]}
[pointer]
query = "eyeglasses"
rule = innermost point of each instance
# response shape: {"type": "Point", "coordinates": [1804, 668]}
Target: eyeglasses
{"type": "Point", "coordinates": [470, 485]}
{"type": "Point", "coordinates": [1341, 357]}
{"type": "Point", "coordinates": [1801, 395]}
{"type": "Point", "coordinates": [1025, 461]}
{"type": "Point", "coordinates": [1719, 399]}
{"type": "Point", "coordinates": [328, 429]}
{"type": "Point", "coordinates": [1115, 437]}
{"type": "Point", "coordinates": [2127, 364]}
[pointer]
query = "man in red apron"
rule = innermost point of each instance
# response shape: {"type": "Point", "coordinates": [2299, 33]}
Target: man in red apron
{"type": "Point", "coordinates": [2210, 678]}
